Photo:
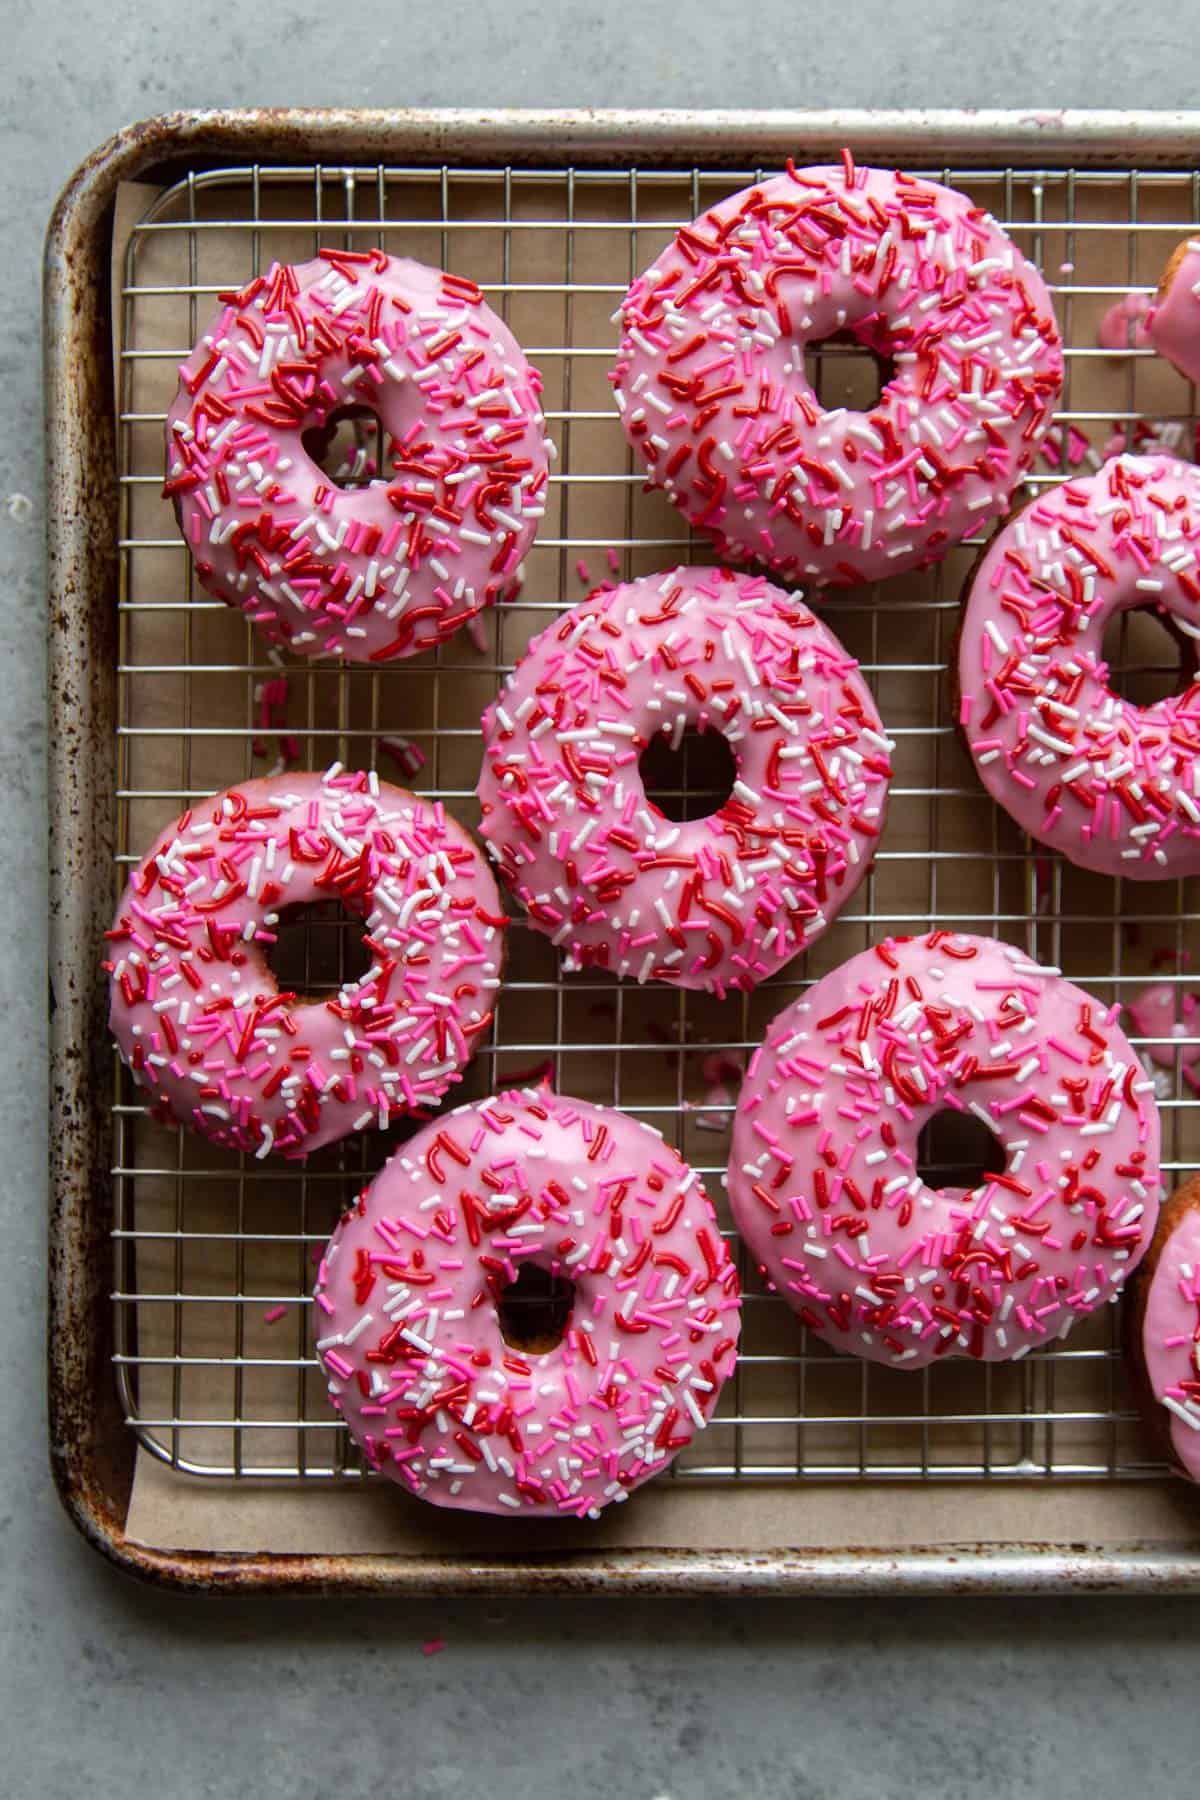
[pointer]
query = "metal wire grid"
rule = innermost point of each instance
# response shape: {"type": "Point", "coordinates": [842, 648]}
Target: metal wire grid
{"type": "Point", "coordinates": [213, 1257]}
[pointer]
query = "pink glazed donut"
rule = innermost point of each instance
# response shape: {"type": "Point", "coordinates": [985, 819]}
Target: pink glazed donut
{"type": "Point", "coordinates": [197, 1014]}
{"type": "Point", "coordinates": [395, 567]}
{"type": "Point", "coordinates": [1165, 1330]}
{"type": "Point", "coordinates": [410, 1335]}
{"type": "Point", "coordinates": [712, 391]}
{"type": "Point", "coordinates": [1173, 324]}
{"type": "Point", "coordinates": [1114, 786]}
{"type": "Point", "coordinates": [823, 1168]}
{"type": "Point", "coordinates": [713, 903]}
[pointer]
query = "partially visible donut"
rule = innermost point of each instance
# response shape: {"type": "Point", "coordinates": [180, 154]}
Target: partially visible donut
{"type": "Point", "coordinates": [1164, 1331]}
{"type": "Point", "coordinates": [712, 391]}
{"type": "Point", "coordinates": [1173, 324]}
{"type": "Point", "coordinates": [712, 903]}
{"type": "Point", "coordinates": [409, 1334]}
{"type": "Point", "coordinates": [823, 1175]}
{"type": "Point", "coordinates": [395, 567]}
{"type": "Point", "coordinates": [1115, 787]}
{"type": "Point", "coordinates": [198, 1015]}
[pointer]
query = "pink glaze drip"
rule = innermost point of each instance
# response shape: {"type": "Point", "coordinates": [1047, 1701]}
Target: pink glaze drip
{"type": "Point", "coordinates": [1171, 1337]}
{"type": "Point", "coordinates": [713, 903]}
{"type": "Point", "coordinates": [1123, 326]}
{"type": "Point", "coordinates": [410, 1339]}
{"type": "Point", "coordinates": [396, 567]}
{"type": "Point", "coordinates": [712, 391]}
{"type": "Point", "coordinates": [823, 1177]}
{"type": "Point", "coordinates": [198, 1015]}
{"type": "Point", "coordinates": [1173, 326]}
{"type": "Point", "coordinates": [1114, 786]}
{"type": "Point", "coordinates": [1162, 1011]}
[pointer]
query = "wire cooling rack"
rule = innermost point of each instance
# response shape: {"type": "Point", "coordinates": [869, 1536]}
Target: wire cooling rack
{"type": "Point", "coordinates": [213, 1255]}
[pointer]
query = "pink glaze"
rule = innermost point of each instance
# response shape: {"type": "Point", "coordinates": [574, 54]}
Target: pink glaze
{"type": "Point", "coordinates": [386, 570]}
{"type": "Point", "coordinates": [198, 1015]}
{"type": "Point", "coordinates": [822, 1173]}
{"type": "Point", "coordinates": [1162, 1012]}
{"type": "Point", "coordinates": [711, 386]}
{"type": "Point", "coordinates": [1171, 1337]}
{"type": "Point", "coordinates": [1123, 326]}
{"type": "Point", "coordinates": [408, 1333]}
{"type": "Point", "coordinates": [1115, 787]}
{"type": "Point", "coordinates": [1174, 324]}
{"type": "Point", "coordinates": [714, 903]}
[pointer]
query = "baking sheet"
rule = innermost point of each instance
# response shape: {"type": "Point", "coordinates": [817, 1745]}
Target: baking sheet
{"type": "Point", "coordinates": [243, 1237]}
{"type": "Point", "coordinates": [177, 1512]}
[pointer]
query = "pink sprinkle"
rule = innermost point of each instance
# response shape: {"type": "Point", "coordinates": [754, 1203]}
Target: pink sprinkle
{"type": "Point", "coordinates": [273, 1315]}
{"type": "Point", "coordinates": [717, 1096]}
{"type": "Point", "coordinates": [409, 756]}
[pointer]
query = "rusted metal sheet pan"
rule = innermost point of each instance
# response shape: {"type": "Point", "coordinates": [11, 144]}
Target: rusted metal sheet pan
{"type": "Point", "coordinates": [92, 1450]}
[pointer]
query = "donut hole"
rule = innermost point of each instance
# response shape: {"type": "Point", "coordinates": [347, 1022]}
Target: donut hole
{"type": "Point", "coordinates": [842, 372]}
{"type": "Point", "coordinates": [689, 780]}
{"type": "Point", "coordinates": [957, 1150]}
{"type": "Point", "coordinates": [1149, 659]}
{"type": "Point", "coordinates": [318, 948]}
{"type": "Point", "coordinates": [535, 1310]}
{"type": "Point", "coordinates": [348, 446]}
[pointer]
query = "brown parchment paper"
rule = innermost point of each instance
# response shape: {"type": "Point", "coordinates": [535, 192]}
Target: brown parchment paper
{"type": "Point", "coordinates": [178, 1513]}
{"type": "Point", "coordinates": [217, 1382]}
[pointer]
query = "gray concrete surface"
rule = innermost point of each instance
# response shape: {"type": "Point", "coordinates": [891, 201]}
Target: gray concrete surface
{"type": "Point", "coordinates": [105, 1688]}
